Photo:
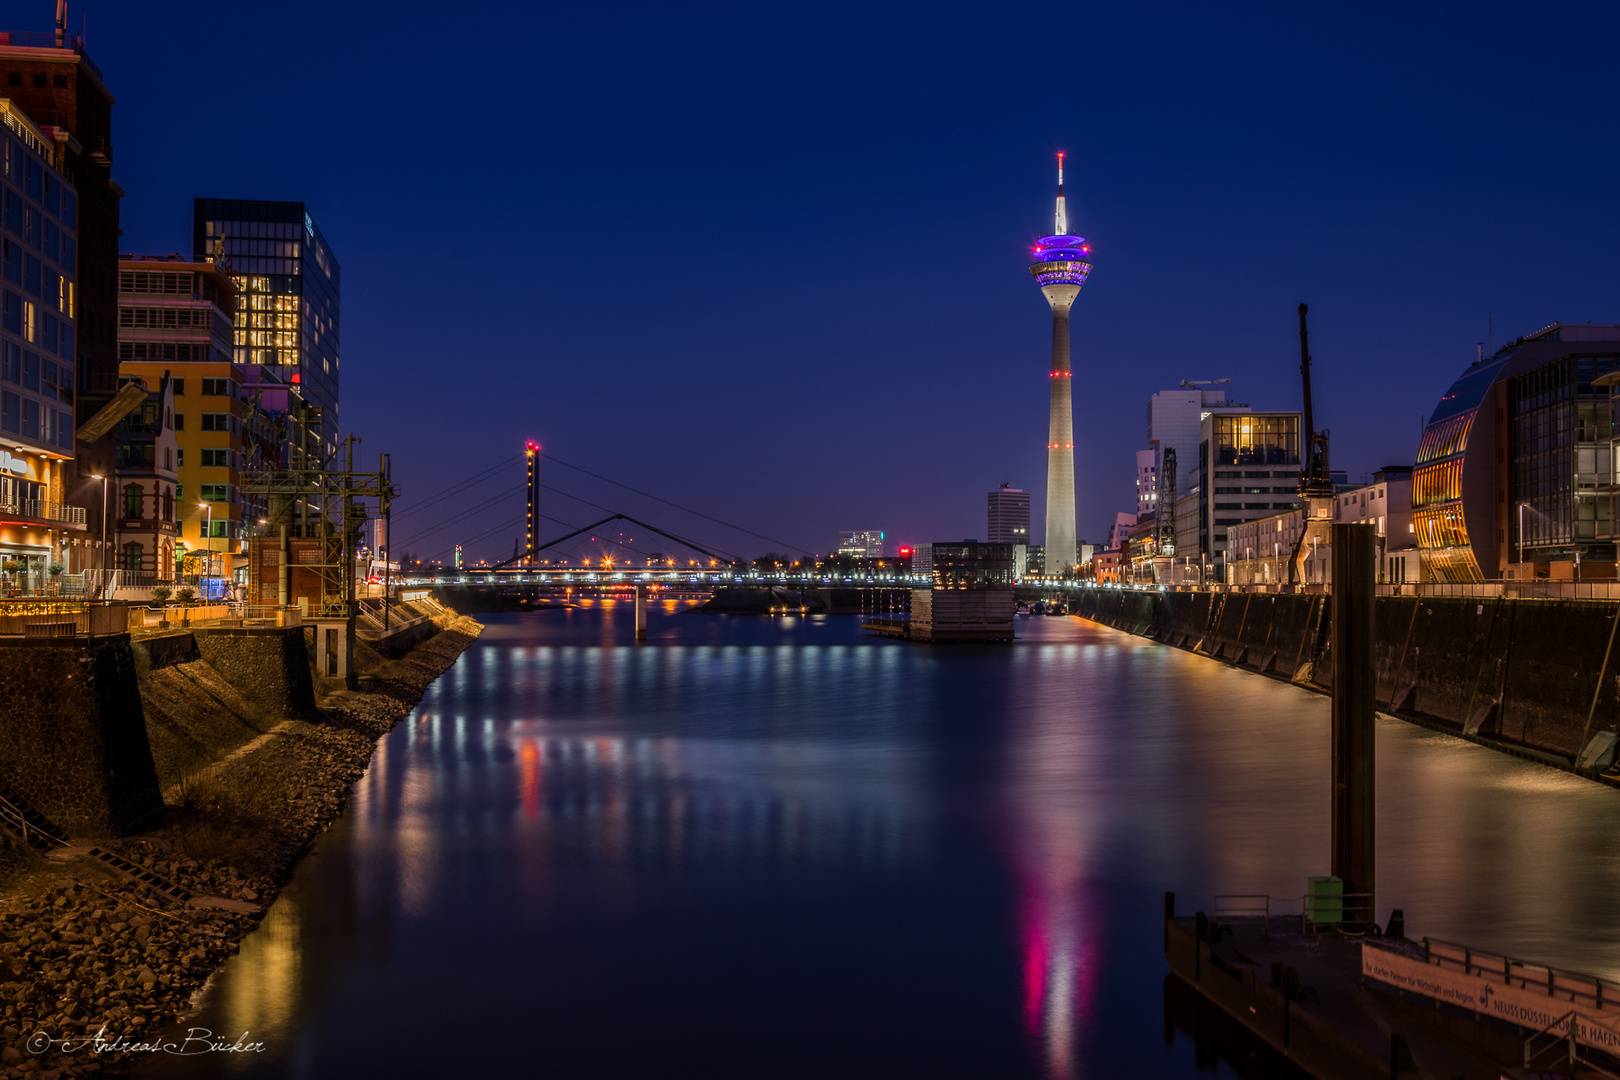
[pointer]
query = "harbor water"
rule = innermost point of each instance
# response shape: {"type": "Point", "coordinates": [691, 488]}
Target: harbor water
{"type": "Point", "coordinates": [778, 847]}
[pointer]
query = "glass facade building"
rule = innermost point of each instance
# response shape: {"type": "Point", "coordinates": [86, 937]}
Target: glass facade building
{"type": "Point", "coordinates": [38, 330]}
{"type": "Point", "coordinates": [1248, 468]}
{"type": "Point", "coordinates": [287, 314]}
{"type": "Point", "coordinates": [1520, 442]}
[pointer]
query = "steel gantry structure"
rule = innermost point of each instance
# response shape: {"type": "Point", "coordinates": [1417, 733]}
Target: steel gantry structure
{"type": "Point", "coordinates": [309, 498]}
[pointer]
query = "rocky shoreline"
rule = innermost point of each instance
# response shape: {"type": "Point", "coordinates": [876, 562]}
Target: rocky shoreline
{"type": "Point", "coordinates": [85, 950]}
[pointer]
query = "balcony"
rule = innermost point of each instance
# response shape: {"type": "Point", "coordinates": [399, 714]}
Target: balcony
{"type": "Point", "coordinates": [48, 513]}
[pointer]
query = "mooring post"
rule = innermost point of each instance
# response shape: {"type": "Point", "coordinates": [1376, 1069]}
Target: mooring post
{"type": "Point", "coordinates": [1354, 685]}
{"type": "Point", "coordinates": [641, 612]}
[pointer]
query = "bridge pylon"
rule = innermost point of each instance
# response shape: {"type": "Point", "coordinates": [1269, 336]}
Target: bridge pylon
{"type": "Point", "coordinates": [531, 453]}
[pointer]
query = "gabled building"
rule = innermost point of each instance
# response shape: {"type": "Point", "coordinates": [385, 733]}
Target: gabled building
{"type": "Point", "coordinates": [144, 502]}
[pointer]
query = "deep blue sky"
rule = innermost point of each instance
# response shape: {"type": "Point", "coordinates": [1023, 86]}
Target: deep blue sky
{"type": "Point", "coordinates": [769, 260]}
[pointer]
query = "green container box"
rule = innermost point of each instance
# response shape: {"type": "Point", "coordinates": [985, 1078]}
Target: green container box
{"type": "Point", "coordinates": [1324, 900]}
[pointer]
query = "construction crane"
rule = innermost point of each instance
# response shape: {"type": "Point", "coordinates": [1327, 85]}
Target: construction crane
{"type": "Point", "coordinates": [1315, 481]}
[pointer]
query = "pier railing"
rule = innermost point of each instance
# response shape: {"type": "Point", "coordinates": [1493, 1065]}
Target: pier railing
{"type": "Point", "coordinates": [1346, 911]}
{"type": "Point", "coordinates": [1574, 987]}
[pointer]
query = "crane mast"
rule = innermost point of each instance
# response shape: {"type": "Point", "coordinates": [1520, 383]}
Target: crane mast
{"type": "Point", "coordinates": [1315, 480]}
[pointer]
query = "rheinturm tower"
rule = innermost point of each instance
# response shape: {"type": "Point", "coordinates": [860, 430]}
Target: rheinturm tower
{"type": "Point", "coordinates": [1062, 262]}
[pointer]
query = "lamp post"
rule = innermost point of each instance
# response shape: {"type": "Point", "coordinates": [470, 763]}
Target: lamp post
{"type": "Point", "coordinates": [1520, 571]}
{"type": "Point", "coordinates": [208, 534]}
{"type": "Point", "coordinates": [102, 560]}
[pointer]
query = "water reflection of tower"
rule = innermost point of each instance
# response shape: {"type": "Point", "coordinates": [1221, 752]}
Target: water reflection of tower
{"type": "Point", "coordinates": [1050, 841]}
{"type": "Point", "coordinates": [1061, 264]}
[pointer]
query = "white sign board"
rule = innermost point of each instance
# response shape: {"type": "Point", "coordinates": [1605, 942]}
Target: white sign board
{"type": "Point", "coordinates": [1529, 1007]}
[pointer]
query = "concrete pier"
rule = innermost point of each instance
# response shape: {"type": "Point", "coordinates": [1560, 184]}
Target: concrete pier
{"type": "Point", "coordinates": [1362, 1007]}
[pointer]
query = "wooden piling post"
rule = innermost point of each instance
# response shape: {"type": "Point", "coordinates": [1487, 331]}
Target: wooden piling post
{"type": "Point", "coordinates": [641, 613]}
{"type": "Point", "coordinates": [1355, 682]}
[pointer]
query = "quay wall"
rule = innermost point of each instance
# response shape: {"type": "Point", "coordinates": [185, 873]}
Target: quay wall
{"type": "Point", "coordinates": [72, 738]}
{"type": "Point", "coordinates": [1538, 675]}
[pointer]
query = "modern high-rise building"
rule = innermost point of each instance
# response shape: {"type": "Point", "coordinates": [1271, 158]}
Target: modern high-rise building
{"type": "Point", "coordinates": [287, 310]}
{"type": "Point", "coordinates": [861, 544]}
{"type": "Point", "coordinates": [52, 80]}
{"type": "Point", "coordinates": [1061, 264]}
{"type": "Point", "coordinates": [39, 521]}
{"type": "Point", "coordinates": [1248, 468]}
{"type": "Point", "coordinates": [1173, 423]}
{"type": "Point", "coordinates": [1009, 516]}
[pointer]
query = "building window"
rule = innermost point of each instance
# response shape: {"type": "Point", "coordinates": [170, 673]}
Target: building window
{"type": "Point", "coordinates": [14, 78]}
{"type": "Point", "coordinates": [216, 421]}
{"type": "Point", "coordinates": [217, 493]}
{"type": "Point", "coordinates": [132, 501]}
{"type": "Point", "coordinates": [216, 459]}
{"type": "Point", "coordinates": [59, 81]}
{"type": "Point", "coordinates": [179, 421]}
{"type": "Point", "coordinates": [179, 387]}
{"type": "Point", "coordinates": [39, 81]}
{"type": "Point", "coordinates": [216, 388]}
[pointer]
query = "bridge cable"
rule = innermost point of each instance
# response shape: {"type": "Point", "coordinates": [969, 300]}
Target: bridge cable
{"type": "Point", "coordinates": [418, 537]}
{"type": "Point", "coordinates": [455, 489]}
{"type": "Point", "coordinates": [678, 506]}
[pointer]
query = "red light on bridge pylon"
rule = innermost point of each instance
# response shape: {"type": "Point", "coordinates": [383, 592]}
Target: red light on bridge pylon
{"type": "Point", "coordinates": [531, 447]}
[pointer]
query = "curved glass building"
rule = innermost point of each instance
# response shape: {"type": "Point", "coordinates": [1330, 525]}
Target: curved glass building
{"type": "Point", "coordinates": [1521, 437]}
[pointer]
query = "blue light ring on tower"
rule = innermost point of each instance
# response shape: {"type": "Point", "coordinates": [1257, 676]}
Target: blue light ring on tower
{"type": "Point", "coordinates": [1061, 260]}
{"type": "Point", "coordinates": [1065, 246]}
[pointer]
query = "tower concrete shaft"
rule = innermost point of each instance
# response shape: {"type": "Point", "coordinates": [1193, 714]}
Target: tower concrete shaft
{"type": "Point", "coordinates": [1062, 262]}
{"type": "Point", "coordinates": [1061, 548]}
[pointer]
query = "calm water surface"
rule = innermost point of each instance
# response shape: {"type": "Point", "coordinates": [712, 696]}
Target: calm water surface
{"type": "Point", "coordinates": [775, 847]}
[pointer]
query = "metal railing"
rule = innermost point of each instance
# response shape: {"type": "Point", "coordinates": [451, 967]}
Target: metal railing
{"type": "Point", "coordinates": [62, 620]}
{"type": "Point", "coordinates": [151, 619]}
{"type": "Point", "coordinates": [1575, 987]}
{"type": "Point", "coordinates": [40, 510]}
{"type": "Point", "coordinates": [1353, 910]}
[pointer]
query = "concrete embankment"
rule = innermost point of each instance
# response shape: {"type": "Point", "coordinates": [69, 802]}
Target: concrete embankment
{"type": "Point", "coordinates": [246, 767]}
{"type": "Point", "coordinates": [1536, 677]}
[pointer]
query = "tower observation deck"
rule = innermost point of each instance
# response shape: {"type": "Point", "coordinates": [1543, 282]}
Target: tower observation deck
{"type": "Point", "coordinates": [1061, 264]}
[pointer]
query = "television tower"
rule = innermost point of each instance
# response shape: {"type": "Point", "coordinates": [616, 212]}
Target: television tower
{"type": "Point", "coordinates": [1061, 264]}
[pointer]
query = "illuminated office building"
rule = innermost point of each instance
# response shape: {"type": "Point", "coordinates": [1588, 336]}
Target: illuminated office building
{"type": "Point", "coordinates": [287, 310]}
{"type": "Point", "coordinates": [1248, 468]}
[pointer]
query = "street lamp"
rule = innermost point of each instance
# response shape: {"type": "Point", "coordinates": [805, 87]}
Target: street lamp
{"type": "Point", "coordinates": [208, 534]}
{"type": "Point", "coordinates": [103, 559]}
{"type": "Point", "coordinates": [1519, 572]}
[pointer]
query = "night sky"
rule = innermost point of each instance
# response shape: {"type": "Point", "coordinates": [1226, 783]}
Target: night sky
{"type": "Point", "coordinates": [770, 261]}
